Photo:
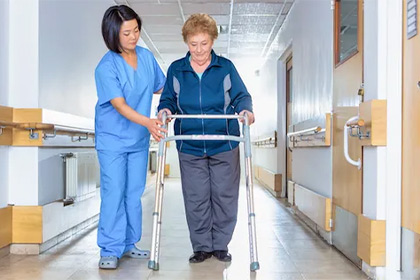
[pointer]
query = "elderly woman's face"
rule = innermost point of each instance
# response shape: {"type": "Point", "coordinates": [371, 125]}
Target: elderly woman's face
{"type": "Point", "coordinates": [200, 46]}
{"type": "Point", "coordinates": [129, 35]}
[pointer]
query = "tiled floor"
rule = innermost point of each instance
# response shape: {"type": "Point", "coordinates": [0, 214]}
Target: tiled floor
{"type": "Point", "coordinates": [287, 249]}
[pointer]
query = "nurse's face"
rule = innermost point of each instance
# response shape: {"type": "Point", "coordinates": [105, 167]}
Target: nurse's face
{"type": "Point", "coordinates": [129, 35]}
{"type": "Point", "coordinates": [200, 46]}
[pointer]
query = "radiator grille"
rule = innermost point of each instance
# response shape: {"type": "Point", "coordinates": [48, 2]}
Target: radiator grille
{"type": "Point", "coordinates": [81, 176]}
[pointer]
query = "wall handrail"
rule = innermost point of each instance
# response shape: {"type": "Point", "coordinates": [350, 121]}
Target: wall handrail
{"type": "Point", "coordinates": [355, 123]}
{"type": "Point", "coordinates": [309, 131]}
{"type": "Point", "coordinates": [50, 130]}
{"type": "Point", "coordinates": [266, 142]}
{"type": "Point", "coordinates": [315, 132]}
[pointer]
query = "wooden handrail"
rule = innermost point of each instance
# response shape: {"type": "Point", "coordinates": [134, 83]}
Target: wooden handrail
{"type": "Point", "coordinates": [355, 123]}
{"type": "Point", "coordinates": [54, 129]}
{"type": "Point", "coordinates": [270, 141]}
{"type": "Point", "coordinates": [35, 126]}
{"type": "Point", "coordinates": [4, 124]}
{"type": "Point", "coordinates": [308, 131]}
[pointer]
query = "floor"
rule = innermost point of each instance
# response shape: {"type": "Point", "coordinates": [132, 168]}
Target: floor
{"type": "Point", "coordinates": [287, 249]}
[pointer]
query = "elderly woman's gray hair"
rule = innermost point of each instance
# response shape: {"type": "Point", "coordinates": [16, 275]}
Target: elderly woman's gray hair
{"type": "Point", "coordinates": [200, 23]}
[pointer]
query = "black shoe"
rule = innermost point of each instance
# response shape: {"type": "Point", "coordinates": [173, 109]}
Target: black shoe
{"type": "Point", "coordinates": [222, 256]}
{"type": "Point", "coordinates": [199, 256]}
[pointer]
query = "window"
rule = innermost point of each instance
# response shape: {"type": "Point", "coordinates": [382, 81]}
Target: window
{"type": "Point", "coordinates": [346, 26]}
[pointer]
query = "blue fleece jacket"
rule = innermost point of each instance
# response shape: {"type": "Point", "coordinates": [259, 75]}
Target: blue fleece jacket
{"type": "Point", "coordinates": [219, 91]}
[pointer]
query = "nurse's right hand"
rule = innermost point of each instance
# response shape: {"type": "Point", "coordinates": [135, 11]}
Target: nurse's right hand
{"type": "Point", "coordinates": [155, 129]}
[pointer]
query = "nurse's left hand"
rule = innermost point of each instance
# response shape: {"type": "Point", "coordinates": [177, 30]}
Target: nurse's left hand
{"type": "Point", "coordinates": [155, 129]}
{"type": "Point", "coordinates": [251, 117]}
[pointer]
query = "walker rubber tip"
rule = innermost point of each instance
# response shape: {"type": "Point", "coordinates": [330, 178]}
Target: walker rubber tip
{"type": "Point", "coordinates": [255, 266]}
{"type": "Point", "coordinates": [153, 265]}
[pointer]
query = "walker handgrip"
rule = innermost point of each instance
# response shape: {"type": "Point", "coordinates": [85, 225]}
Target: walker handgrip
{"type": "Point", "coordinates": [246, 118]}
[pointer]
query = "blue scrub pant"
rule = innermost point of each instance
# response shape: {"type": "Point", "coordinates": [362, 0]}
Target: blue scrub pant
{"type": "Point", "coordinates": [123, 179]}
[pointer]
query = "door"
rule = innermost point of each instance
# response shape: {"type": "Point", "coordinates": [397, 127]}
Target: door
{"type": "Point", "coordinates": [289, 99]}
{"type": "Point", "coordinates": [411, 142]}
{"type": "Point", "coordinates": [347, 79]}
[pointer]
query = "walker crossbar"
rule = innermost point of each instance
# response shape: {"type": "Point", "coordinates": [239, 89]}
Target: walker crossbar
{"type": "Point", "coordinates": [204, 137]}
{"type": "Point", "coordinates": [205, 116]}
{"type": "Point", "coordinates": [157, 213]}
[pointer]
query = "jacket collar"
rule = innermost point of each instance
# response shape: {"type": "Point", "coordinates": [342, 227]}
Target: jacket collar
{"type": "Point", "coordinates": [186, 66]}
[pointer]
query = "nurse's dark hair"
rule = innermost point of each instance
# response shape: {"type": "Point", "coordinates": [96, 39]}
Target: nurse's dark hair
{"type": "Point", "coordinates": [111, 25]}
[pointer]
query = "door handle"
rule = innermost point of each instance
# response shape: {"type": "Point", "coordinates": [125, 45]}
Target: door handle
{"type": "Point", "coordinates": [357, 163]}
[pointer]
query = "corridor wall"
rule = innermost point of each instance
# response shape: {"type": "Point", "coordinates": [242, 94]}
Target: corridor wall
{"type": "Point", "coordinates": [70, 47]}
{"type": "Point", "coordinates": [4, 88]}
{"type": "Point", "coordinates": [306, 34]}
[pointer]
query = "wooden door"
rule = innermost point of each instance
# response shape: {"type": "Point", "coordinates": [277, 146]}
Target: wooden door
{"type": "Point", "coordinates": [410, 216]}
{"type": "Point", "coordinates": [347, 79]}
{"type": "Point", "coordinates": [411, 128]}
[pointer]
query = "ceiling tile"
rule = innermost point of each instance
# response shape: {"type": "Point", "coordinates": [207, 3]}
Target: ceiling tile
{"type": "Point", "coordinates": [252, 23]}
{"type": "Point", "coordinates": [209, 8]}
{"type": "Point", "coordinates": [253, 20]}
{"type": "Point", "coordinates": [251, 29]}
{"type": "Point", "coordinates": [257, 8]}
{"type": "Point", "coordinates": [148, 9]}
{"type": "Point", "coordinates": [162, 20]}
{"type": "Point", "coordinates": [165, 29]}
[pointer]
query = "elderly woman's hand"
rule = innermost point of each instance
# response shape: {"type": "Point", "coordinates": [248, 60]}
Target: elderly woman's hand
{"type": "Point", "coordinates": [168, 112]}
{"type": "Point", "coordinates": [250, 116]}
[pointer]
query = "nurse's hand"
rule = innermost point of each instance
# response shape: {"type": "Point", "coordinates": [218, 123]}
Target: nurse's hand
{"type": "Point", "coordinates": [251, 117]}
{"type": "Point", "coordinates": [168, 112]}
{"type": "Point", "coordinates": [155, 129]}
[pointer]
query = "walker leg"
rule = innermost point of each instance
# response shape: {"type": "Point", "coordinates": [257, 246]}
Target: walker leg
{"type": "Point", "coordinates": [255, 265]}
{"type": "Point", "coordinates": [157, 213]}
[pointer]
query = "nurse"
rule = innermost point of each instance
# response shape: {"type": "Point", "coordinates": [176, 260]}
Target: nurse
{"type": "Point", "coordinates": [126, 77]}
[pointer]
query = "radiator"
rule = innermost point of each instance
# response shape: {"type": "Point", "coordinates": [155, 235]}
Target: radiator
{"type": "Point", "coordinates": [82, 173]}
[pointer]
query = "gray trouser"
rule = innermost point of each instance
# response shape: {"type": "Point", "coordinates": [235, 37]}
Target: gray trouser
{"type": "Point", "coordinates": [210, 185]}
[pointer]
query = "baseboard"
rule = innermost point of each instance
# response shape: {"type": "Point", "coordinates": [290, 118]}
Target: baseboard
{"type": "Point", "coordinates": [326, 235]}
{"type": "Point", "coordinates": [90, 223]}
{"type": "Point", "coordinates": [36, 249]}
{"type": "Point", "coordinates": [24, 249]}
{"type": "Point", "coordinates": [4, 251]}
{"type": "Point", "coordinates": [58, 219]}
{"type": "Point", "coordinates": [271, 181]}
{"type": "Point", "coordinates": [410, 254]}
{"type": "Point", "coordinates": [314, 206]}
{"type": "Point", "coordinates": [273, 192]}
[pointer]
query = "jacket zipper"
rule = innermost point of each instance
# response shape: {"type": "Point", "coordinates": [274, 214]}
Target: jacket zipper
{"type": "Point", "coordinates": [201, 108]}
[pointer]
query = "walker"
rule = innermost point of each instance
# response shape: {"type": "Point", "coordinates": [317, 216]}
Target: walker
{"type": "Point", "coordinates": [157, 214]}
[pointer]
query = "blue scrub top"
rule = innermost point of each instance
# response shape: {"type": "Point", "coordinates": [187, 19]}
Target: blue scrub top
{"type": "Point", "coordinates": [116, 78]}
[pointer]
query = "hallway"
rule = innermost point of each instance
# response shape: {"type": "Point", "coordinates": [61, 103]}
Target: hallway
{"type": "Point", "coordinates": [287, 249]}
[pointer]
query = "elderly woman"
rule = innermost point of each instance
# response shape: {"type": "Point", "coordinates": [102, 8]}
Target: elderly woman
{"type": "Point", "coordinates": [126, 78]}
{"type": "Point", "coordinates": [205, 83]}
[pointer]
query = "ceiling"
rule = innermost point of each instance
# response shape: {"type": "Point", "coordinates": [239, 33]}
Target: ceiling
{"type": "Point", "coordinates": [247, 27]}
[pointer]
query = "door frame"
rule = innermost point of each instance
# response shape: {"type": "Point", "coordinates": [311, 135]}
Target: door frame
{"type": "Point", "coordinates": [281, 115]}
{"type": "Point", "coordinates": [288, 82]}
